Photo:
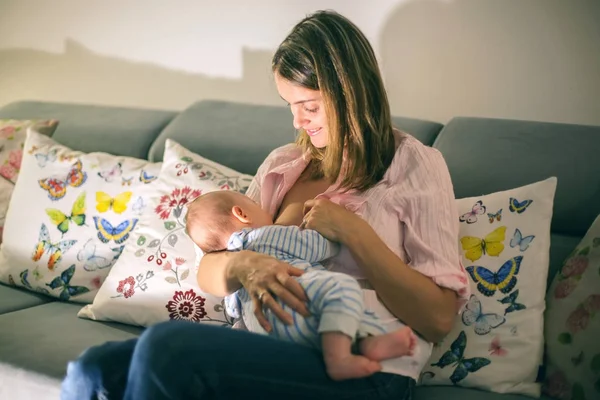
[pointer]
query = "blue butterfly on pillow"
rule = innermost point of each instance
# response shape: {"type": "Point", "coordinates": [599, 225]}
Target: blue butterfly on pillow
{"type": "Point", "coordinates": [119, 233]}
{"type": "Point", "coordinates": [519, 240]}
{"type": "Point", "coordinates": [495, 216]}
{"type": "Point", "coordinates": [146, 177]}
{"type": "Point", "coordinates": [482, 323]}
{"type": "Point", "coordinates": [64, 281]}
{"type": "Point", "coordinates": [24, 275]}
{"type": "Point", "coordinates": [504, 280]}
{"type": "Point", "coordinates": [456, 357]}
{"type": "Point", "coordinates": [511, 300]}
{"type": "Point", "coordinates": [517, 206]}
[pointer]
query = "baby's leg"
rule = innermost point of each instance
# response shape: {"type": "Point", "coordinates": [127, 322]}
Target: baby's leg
{"type": "Point", "coordinates": [389, 345]}
{"type": "Point", "coordinates": [340, 362]}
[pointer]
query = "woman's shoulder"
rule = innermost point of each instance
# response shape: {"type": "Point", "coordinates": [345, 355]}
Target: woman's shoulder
{"type": "Point", "coordinates": [412, 158]}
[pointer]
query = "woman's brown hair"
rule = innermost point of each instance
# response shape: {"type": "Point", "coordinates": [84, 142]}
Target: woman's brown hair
{"type": "Point", "coordinates": [327, 52]}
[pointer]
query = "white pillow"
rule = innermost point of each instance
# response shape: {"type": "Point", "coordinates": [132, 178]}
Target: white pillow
{"type": "Point", "coordinates": [69, 218]}
{"type": "Point", "coordinates": [573, 323]}
{"type": "Point", "coordinates": [497, 341]}
{"type": "Point", "coordinates": [154, 280]}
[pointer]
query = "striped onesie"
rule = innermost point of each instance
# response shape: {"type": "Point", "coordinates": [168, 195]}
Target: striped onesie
{"type": "Point", "coordinates": [335, 300]}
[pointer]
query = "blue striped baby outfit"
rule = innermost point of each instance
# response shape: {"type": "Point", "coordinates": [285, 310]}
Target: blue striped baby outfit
{"type": "Point", "coordinates": [335, 299]}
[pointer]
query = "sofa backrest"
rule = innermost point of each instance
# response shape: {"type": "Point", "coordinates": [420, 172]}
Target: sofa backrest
{"type": "Point", "coordinates": [116, 130]}
{"type": "Point", "coordinates": [242, 135]}
{"type": "Point", "coordinates": [483, 155]}
{"type": "Point", "coordinates": [487, 155]}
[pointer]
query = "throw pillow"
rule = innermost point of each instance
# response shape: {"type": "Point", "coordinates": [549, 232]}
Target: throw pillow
{"type": "Point", "coordinates": [154, 280]}
{"type": "Point", "coordinates": [69, 218]}
{"type": "Point", "coordinates": [497, 340]}
{"type": "Point", "coordinates": [6, 189]}
{"type": "Point", "coordinates": [572, 328]}
{"type": "Point", "coordinates": [12, 138]}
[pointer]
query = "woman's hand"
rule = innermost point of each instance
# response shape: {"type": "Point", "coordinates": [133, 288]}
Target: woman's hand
{"type": "Point", "coordinates": [264, 278]}
{"type": "Point", "coordinates": [332, 221]}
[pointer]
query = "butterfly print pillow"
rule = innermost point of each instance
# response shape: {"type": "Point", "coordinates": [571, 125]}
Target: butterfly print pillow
{"type": "Point", "coordinates": [496, 343]}
{"type": "Point", "coordinates": [70, 217]}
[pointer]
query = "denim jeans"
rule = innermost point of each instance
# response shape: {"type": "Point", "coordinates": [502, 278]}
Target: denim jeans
{"type": "Point", "coordinates": [184, 360]}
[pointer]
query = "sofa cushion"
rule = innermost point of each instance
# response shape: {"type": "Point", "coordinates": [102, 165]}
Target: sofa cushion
{"type": "Point", "coordinates": [45, 338]}
{"type": "Point", "coordinates": [116, 130]}
{"type": "Point", "coordinates": [14, 299]}
{"type": "Point", "coordinates": [488, 155]}
{"type": "Point", "coordinates": [241, 136]}
{"type": "Point", "coordinates": [457, 393]}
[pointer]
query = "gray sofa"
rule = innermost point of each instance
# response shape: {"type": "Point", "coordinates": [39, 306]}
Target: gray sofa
{"type": "Point", "coordinates": [38, 335]}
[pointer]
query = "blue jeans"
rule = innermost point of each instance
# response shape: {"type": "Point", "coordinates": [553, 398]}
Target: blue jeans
{"type": "Point", "coordinates": [184, 360]}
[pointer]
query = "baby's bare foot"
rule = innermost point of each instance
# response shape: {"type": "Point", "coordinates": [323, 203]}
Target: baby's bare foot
{"type": "Point", "coordinates": [350, 367]}
{"type": "Point", "coordinates": [391, 345]}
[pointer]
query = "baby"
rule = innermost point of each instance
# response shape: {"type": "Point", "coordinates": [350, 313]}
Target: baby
{"type": "Point", "coordinates": [229, 220]}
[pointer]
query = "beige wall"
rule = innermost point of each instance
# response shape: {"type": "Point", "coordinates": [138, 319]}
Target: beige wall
{"type": "Point", "coordinates": [525, 59]}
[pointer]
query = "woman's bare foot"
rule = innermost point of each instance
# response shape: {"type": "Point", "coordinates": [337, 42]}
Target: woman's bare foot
{"type": "Point", "coordinates": [391, 345]}
{"type": "Point", "coordinates": [340, 362]}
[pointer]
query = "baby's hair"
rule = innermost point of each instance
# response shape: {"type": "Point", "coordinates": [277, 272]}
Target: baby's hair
{"type": "Point", "coordinates": [214, 213]}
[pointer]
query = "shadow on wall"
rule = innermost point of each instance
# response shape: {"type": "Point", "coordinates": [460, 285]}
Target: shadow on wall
{"type": "Point", "coordinates": [81, 76]}
{"type": "Point", "coordinates": [536, 59]}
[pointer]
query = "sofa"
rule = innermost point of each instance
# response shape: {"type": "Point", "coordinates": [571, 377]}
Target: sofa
{"type": "Point", "coordinates": [39, 335]}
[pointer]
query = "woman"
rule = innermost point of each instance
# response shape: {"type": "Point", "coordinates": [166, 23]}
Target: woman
{"type": "Point", "coordinates": [383, 195]}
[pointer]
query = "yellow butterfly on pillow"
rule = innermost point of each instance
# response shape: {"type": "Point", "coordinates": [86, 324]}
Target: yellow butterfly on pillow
{"type": "Point", "coordinates": [492, 244]}
{"type": "Point", "coordinates": [105, 202]}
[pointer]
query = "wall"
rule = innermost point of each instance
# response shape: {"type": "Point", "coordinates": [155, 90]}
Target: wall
{"type": "Point", "coordinates": [527, 59]}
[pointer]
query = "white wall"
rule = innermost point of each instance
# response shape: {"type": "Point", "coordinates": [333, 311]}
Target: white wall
{"type": "Point", "coordinates": [528, 59]}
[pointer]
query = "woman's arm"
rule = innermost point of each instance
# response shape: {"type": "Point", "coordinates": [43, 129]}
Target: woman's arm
{"type": "Point", "coordinates": [214, 274]}
{"type": "Point", "coordinates": [425, 292]}
{"type": "Point", "coordinates": [411, 296]}
{"type": "Point", "coordinates": [264, 278]}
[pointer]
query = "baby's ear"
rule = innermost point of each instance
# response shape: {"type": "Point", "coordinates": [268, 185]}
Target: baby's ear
{"type": "Point", "coordinates": [239, 213]}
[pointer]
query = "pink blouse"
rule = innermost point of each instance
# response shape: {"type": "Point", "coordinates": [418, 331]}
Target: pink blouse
{"type": "Point", "coordinates": [412, 209]}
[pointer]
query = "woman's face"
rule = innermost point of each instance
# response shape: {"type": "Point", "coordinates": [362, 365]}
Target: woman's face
{"type": "Point", "coordinates": [307, 108]}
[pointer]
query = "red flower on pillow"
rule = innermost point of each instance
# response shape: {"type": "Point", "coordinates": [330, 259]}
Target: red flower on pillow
{"type": "Point", "coordinates": [175, 202]}
{"type": "Point", "coordinates": [15, 157]}
{"type": "Point", "coordinates": [8, 171]}
{"type": "Point", "coordinates": [7, 132]}
{"type": "Point", "coordinates": [127, 287]}
{"type": "Point", "coordinates": [557, 386]}
{"type": "Point", "coordinates": [578, 320]}
{"type": "Point", "coordinates": [592, 303]}
{"type": "Point", "coordinates": [565, 287]}
{"type": "Point", "coordinates": [186, 306]}
{"type": "Point", "coordinates": [575, 266]}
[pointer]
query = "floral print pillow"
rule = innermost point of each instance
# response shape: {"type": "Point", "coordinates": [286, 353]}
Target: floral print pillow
{"type": "Point", "coordinates": [572, 324]}
{"type": "Point", "coordinates": [12, 139]}
{"type": "Point", "coordinates": [154, 280]}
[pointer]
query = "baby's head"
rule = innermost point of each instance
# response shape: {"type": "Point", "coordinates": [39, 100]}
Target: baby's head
{"type": "Point", "coordinates": [213, 217]}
